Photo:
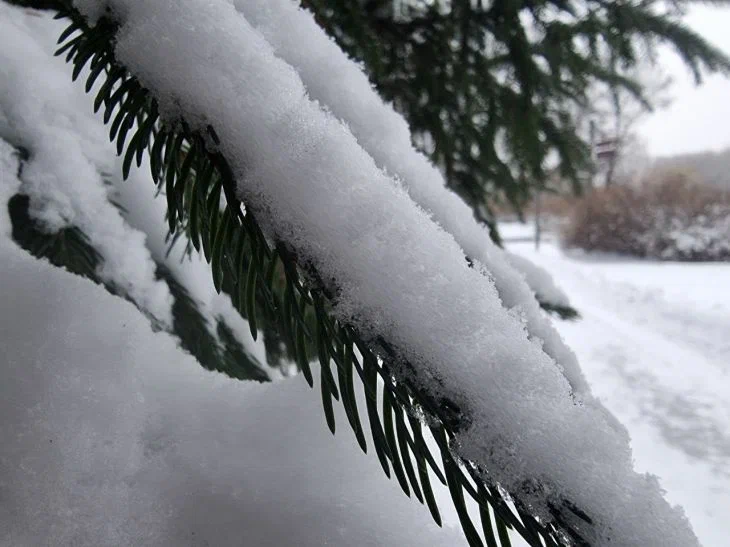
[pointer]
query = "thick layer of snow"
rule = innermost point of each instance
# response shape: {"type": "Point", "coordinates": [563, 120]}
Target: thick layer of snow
{"type": "Point", "coordinates": [111, 435]}
{"type": "Point", "coordinates": [44, 112]}
{"type": "Point", "coordinates": [653, 341]}
{"type": "Point", "coordinates": [41, 109]}
{"type": "Point", "coordinates": [9, 184]}
{"type": "Point", "coordinates": [398, 274]}
{"type": "Point", "coordinates": [339, 83]}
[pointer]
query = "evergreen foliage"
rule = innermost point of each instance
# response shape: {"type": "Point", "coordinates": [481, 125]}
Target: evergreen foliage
{"type": "Point", "coordinates": [70, 248]}
{"type": "Point", "coordinates": [67, 248]}
{"type": "Point", "coordinates": [225, 354]}
{"type": "Point", "coordinates": [265, 280]}
{"type": "Point", "coordinates": [564, 312]}
{"type": "Point", "coordinates": [493, 89]}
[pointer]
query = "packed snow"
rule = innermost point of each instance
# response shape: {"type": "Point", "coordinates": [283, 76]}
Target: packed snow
{"type": "Point", "coordinates": [397, 273]}
{"type": "Point", "coordinates": [340, 85]}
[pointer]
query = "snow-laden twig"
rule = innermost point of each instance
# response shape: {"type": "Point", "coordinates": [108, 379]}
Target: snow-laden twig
{"type": "Point", "coordinates": [61, 175]}
{"type": "Point", "coordinates": [393, 273]}
{"type": "Point", "coordinates": [340, 85]}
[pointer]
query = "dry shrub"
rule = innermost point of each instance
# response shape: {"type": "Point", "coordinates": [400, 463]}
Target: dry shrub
{"type": "Point", "coordinates": [668, 216]}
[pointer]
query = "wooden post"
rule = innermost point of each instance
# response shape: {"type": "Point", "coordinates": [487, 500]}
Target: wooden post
{"type": "Point", "coordinates": [538, 227]}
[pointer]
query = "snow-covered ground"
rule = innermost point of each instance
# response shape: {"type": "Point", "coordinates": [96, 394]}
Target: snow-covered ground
{"type": "Point", "coordinates": [654, 343]}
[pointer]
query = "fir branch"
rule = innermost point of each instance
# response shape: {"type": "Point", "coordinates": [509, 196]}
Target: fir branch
{"type": "Point", "coordinates": [564, 312]}
{"type": "Point", "coordinates": [67, 248]}
{"type": "Point", "coordinates": [222, 352]}
{"type": "Point", "coordinates": [195, 176]}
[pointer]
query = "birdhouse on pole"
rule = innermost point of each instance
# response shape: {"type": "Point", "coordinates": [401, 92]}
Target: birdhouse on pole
{"type": "Point", "coordinates": [606, 149]}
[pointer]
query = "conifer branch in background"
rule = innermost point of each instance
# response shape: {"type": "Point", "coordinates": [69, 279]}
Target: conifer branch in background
{"type": "Point", "coordinates": [70, 248]}
{"type": "Point", "coordinates": [491, 89]}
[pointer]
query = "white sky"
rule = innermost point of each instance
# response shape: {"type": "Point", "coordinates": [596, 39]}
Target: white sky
{"type": "Point", "coordinates": [699, 117]}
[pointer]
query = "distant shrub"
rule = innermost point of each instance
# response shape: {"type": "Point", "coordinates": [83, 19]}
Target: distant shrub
{"type": "Point", "coordinates": [667, 217]}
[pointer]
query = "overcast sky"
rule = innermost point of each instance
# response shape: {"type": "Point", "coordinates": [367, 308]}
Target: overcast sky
{"type": "Point", "coordinates": [699, 117]}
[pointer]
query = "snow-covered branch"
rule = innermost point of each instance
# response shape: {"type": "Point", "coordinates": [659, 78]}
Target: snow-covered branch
{"type": "Point", "coordinates": [341, 86]}
{"type": "Point", "coordinates": [396, 274]}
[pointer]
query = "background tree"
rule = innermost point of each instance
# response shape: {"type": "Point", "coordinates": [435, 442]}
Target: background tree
{"type": "Point", "coordinates": [491, 88]}
{"type": "Point", "coordinates": [615, 114]}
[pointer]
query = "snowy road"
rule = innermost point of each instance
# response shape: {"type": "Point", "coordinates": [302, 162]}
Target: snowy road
{"type": "Point", "coordinates": [654, 342]}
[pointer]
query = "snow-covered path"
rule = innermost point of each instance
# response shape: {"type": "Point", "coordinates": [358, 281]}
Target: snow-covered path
{"type": "Point", "coordinates": [654, 343]}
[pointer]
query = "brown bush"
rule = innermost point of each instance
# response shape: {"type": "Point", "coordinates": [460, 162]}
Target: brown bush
{"type": "Point", "coordinates": [668, 216]}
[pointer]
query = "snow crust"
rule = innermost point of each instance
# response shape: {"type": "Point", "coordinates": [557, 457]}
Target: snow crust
{"type": "Point", "coordinates": [398, 274]}
{"type": "Point", "coordinates": [93, 9]}
{"type": "Point", "coordinates": [342, 87]}
{"type": "Point", "coordinates": [540, 281]}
